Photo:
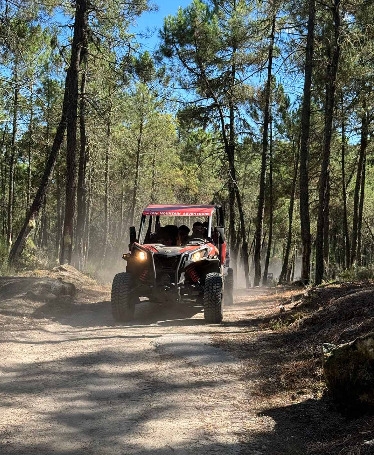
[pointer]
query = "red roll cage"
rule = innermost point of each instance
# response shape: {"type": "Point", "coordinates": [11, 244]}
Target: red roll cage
{"type": "Point", "coordinates": [179, 210]}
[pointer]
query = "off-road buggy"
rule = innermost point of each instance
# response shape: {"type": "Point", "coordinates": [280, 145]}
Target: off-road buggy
{"type": "Point", "coordinates": [196, 272]}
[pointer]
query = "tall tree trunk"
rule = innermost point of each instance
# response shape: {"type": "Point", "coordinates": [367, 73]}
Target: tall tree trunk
{"type": "Point", "coordinates": [153, 185]}
{"type": "Point", "coordinates": [82, 168]}
{"type": "Point", "coordinates": [3, 184]}
{"type": "Point", "coordinates": [30, 146]}
{"type": "Point", "coordinates": [229, 140]}
{"type": "Point", "coordinates": [106, 190]}
{"type": "Point", "coordinates": [326, 228]}
{"type": "Point", "coordinates": [235, 193]}
{"type": "Point", "coordinates": [137, 169]}
{"type": "Point", "coordinates": [304, 148]}
{"type": "Point", "coordinates": [245, 253]}
{"type": "Point", "coordinates": [347, 248]}
{"type": "Point", "coordinates": [44, 218]}
{"type": "Point", "coordinates": [271, 209]}
{"type": "Point", "coordinates": [234, 242]}
{"type": "Point", "coordinates": [360, 214]}
{"type": "Point", "coordinates": [265, 140]}
{"type": "Point", "coordinates": [324, 180]}
{"type": "Point", "coordinates": [122, 213]}
{"type": "Point", "coordinates": [88, 215]}
{"type": "Point", "coordinates": [77, 53]}
{"type": "Point", "coordinates": [59, 210]}
{"type": "Point", "coordinates": [43, 229]}
{"type": "Point", "coordinates": [285, 266]}
{"type": "Point", "coordinates": [358, 185]}
{"type": "Point", "coordinates": [12, 162]}
{"type": "Point", "coordinates": [36, 205]}
{"type": "Point", "coordinates": [39, 197]}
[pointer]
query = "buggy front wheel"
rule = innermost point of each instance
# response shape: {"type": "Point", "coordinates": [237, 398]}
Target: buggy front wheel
{"type": "Point", "coordinates": [213, 298]}
{"type": "Point", "coordinates": [122, 297]}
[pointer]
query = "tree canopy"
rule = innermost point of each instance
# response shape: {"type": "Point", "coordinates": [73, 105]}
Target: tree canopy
{"type": "Point", "coordinates": [263, 107]}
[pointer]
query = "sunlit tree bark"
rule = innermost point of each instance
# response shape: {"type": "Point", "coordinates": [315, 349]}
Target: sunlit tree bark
{"type": "Point", "coordinates": [333, 51]}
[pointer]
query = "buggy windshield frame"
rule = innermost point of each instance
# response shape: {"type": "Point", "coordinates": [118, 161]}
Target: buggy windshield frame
{"type": "Point", "coordinates": [179, 210]}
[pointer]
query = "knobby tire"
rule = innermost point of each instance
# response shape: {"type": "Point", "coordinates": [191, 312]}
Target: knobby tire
{"type": "Point", "coordinates": [213, 298]}
{"type": "Point", "coordinates": [122, 300]}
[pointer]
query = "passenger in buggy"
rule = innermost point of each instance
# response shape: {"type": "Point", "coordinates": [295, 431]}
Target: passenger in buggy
{"type": "Point", "coordinates": [183, 232]}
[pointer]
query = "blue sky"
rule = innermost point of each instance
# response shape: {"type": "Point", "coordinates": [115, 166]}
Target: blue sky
{"type": "Point", "coordinates": [149, 23]}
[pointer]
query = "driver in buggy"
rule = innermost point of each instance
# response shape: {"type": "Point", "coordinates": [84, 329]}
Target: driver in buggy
{"type": "Point", "coordinates": [198, 231]}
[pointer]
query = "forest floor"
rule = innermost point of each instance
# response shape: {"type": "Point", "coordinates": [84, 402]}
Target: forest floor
{"type": "Point", "coordinates": [75, 382]}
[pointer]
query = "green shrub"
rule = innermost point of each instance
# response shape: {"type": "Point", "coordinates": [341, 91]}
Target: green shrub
{"type": "Point", "coordinates": [357, 274]}
{"type": "Point", "coordinates": [3, 256]}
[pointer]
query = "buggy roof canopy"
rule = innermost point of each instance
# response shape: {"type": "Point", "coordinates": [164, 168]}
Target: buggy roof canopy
{"type": "Point", "coordinates": [179, 210]}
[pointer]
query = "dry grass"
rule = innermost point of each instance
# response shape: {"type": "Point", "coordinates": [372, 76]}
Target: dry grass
{"type": "Point", "coordinates": [280, 341]}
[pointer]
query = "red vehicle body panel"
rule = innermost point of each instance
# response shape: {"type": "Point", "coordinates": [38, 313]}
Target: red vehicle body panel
{"type": "Point", "coordinates": [213, 250]}
{"type": "Point", "coordinates": [223, 253]}
{"type": "Point", "coordinates": [148, 247]}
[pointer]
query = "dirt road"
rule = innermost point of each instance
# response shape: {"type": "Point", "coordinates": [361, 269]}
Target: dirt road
{"type": "Point", "coordinates": [74, 382]}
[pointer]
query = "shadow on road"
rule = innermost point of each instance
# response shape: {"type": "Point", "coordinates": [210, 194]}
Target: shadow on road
{"type": "Point", "coordinates": [313, 427]}
{"type": "Point", "coordinates": [102, 402]}
{"type": "Point", "coordinates": [99, 314]}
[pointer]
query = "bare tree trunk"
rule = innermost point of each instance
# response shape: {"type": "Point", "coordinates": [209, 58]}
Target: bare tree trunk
{"type": "Point", "coordinates": [153, 185]}
{"type": "Point", "coordinates": [122, 214]}
{"type": "Point", "coordinates": [259, 221]}
{"type": "Point", "coordinates": [245, 254]}
{"type": "Point", "coordinates": [106, 197]}
{"type": "Point", "coordinates": [87, 231]}
{"type": "Point", "coordinates": [30, 146]}
{"type": "Point", "coordinates": [60, 210]}
{"type": "Point", "coordinates": [33, 212]}
{"type": "Point", "coordinates": [3, 201]}
{"type": "Point", "coordinates": [326, 229]}
{"type": "Point", "coordinates": [271, 208]}
{"type": "Point", "coordinates": [358, 185]}
{"type": "Point", "coordinates": [283, 275]}
{"type": "Point", "coordinates": [304, 148]}
{"type": "Point", "coordinates": [77, 53]}
{"type": "Point", "coordinates": [360, 214]}
{"type": "Point", "coordinates": [39, 197]}
{"type": "Point", "coordinates": [44, 219]}
{"type": "Point", "coordinates": [232, 218]}
{"type": "Point", "coordinates": [347, 248]}
{"type": "Point", "coordinates": [12, 163]}
{"type": "Point", "coordinates": [137, 168]}
{"type": "Point", "coordinates": [265, 140]}
{"type": "Point", "coordinates": [230, 151]}
{"type": "Point", "coordinates": [324, 180]}
{"type": "Point", "coordinates": [229, 145]}
{"type": "Point", "coordinates": [82, 168]}
{"type": "Point", "coordinates": [43, 235]}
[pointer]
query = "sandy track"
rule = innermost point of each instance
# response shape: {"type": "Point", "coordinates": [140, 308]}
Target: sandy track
{"type": "Point", "coordinates": [80, 384]}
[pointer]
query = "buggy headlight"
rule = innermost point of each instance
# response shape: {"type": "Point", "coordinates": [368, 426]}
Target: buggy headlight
{"type": "Point", "coordinates": [141, 256]}
{"type": "Point", "coordinates": [197, 256]}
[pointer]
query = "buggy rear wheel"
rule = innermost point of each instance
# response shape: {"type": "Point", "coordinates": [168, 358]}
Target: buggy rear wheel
{"type": "Point", "coordinates": [122, 297]}
{"type": "Point", "coordinates": [213, 298]}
